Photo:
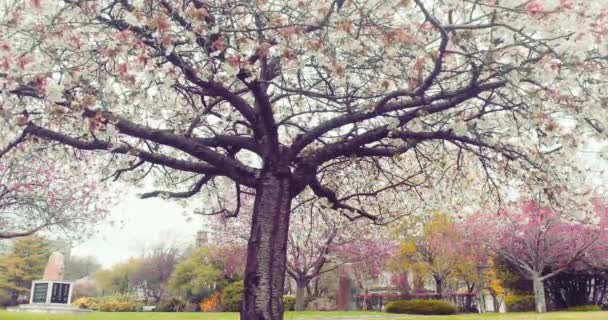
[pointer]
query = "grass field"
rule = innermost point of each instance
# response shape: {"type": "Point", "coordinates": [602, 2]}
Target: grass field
{"type": "Point", "coordinates": [307, 316]}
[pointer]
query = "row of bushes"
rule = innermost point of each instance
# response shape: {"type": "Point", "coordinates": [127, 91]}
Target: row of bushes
{"type": "Point", "coordinates": [230, 299]}
{"type": "Point", "coordinates": [520, 303]}
{"type": "Point", "coordinates": [425, 307]}
{"type": "Point", "coordinates": [516, 303]}
{"type": "Point", "coordinates": [117, 303]}
{"type": "Point", "coordinates": [525, 303]}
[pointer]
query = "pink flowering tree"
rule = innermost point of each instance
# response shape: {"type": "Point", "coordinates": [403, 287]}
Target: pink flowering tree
{"type": "Point", "coordinates": [368, 258]}
{"type": "Point", "coordinates": [378, 107]}
{"type": "Point", "coordinates": [321, 246]}
{"type": "Point", "coordinates": [41, 194]}
{"type": "Point", "coordinates": [320, 242]}
{"type": "Point", "coordinates": [540, 242]}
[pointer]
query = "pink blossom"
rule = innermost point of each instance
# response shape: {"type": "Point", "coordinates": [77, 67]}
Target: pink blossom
{"type": "Point", "coordinates": [566, 4]}
{"type": "Point", "coordinates": [535, 7]}
{"type": "Point", "coordinates": [5, 46]}
{"type": "Point", "coordinates": [25, 61]}
{"type": "Point", "coordinates": [36, 3]}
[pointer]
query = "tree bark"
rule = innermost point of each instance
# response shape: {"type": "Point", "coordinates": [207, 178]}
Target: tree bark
{"type": "Point", "coordinates": [439, 285]}
{"type": "Point", "coordinates": [596, 290]}
{"type": "Point", "coordinates": [266, 250]}
{"type": "Point", "coordinates": [603, 294]}
{"type": "Point", "coordinates": [539, 293]}
{"type": "Point", "coordinates": [495, 302]}
{"type": "Point", "coordinates": [365, 298]}
{"type": "Point", "coordinates": [300, 295]}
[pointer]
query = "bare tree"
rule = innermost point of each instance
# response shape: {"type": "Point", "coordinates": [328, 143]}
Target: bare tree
{"type": "Point", "coordinates": [153, 273]}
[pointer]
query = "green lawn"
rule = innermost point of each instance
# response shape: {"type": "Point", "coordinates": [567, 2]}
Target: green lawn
{"type": "Point", "coordinates": [308, 316]}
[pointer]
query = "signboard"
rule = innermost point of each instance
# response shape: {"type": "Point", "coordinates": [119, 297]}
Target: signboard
{"type": "Point", "coordinates": [61, 293]}
{"type": "Point", "coordinates": [40, 291]}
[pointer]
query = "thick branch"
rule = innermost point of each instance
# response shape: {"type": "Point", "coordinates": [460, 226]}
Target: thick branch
{"type": "Point", "coordinates": [196, 188]}
{"type": "Point", "coordinates": [92, 145]}
{"type": "Point", "coordinates": [229, 166]}
{"type": "Point", "coordinates": [416, 105]}
{"type": "Point", "coordinates": [13, 144]}
{"type": "Point", "coordinates": [330, 195]}
{"type": "Point", "coordinates": [12, 235]}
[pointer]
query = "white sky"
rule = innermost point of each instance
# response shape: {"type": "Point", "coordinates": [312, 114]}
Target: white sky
{"type": "Point", "coordinates": [141, 224]}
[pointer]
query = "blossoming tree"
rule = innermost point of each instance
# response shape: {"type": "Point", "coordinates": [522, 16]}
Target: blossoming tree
{"type": "Point", "coordinates": [319, 241]}
{"type": "Point", "coordinates": [40, 194]}
{"type": "Point", "coordinates": [540, 242]}
{"type": "Point", "coordinates": [368, 258]}
{"type": "Point", "coordinates": [379, 107]}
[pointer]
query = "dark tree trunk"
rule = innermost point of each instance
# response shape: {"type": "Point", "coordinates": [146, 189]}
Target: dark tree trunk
{"type": "Point", "coordinates": [343, 297]}
{"type": "Point", "coordinates": [266, 250]}
{"type": "Point", "coordinates": [469, 297]}
{"type": "Point", "coordinates": [603, 294]}
{"type": "Point", "coordinates": [439, 285]}
{"type": "Point", "coordinates": [365, 305]}
{"type": "Point", "coordinates": [14, 298]}
{"type": "Point", "coordinates": [495, 302]}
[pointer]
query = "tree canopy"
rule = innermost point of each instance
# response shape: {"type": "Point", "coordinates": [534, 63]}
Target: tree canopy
{"type": "Point", "coordinates": [377, 107]}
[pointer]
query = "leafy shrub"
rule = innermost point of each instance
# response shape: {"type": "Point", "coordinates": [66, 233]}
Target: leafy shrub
{"type": "Point", "coordinates": [86, 303]}
{"type": "Point", "coordinates": [585, 308]}
{"type": "Point", "coordinates": [233, 296]}
{"type": "Point", "coordinates": [427, 307]}
{"type": "Point", "coordinates": [173, 305]}
{"type": "Point", "coordinates": [520, 303]}
{"type": "Point", "coordinates": [116, 303]}
{"type": "Point", "coordinates": [213, 304]}
{"type": "Point", "coordinates": [118, 306]}
{"type": "Point", "coordinates": [289, 303]}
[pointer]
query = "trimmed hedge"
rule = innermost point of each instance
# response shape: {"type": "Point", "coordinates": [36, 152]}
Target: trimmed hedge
{"type": "Point", "coordinates": [115, 303]}
{"type": "Point", "coordinates": [289, 303]}
{"type": "Point", "coordinates": [585, 308]}
{"type": "Point", "coordinates": [173, 305]}
{"type": "Point", "coordinates": [427, 307]}
{"type": "Point", "coordinates": [517, 303]}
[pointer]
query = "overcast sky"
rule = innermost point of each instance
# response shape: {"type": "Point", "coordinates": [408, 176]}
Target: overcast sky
{"type": "Point", "coordinates": [145, 223]}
